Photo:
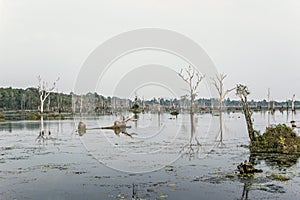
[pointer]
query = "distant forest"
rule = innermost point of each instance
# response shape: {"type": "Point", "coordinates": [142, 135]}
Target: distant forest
{"type": "Point", "coordinates": [12, 99]}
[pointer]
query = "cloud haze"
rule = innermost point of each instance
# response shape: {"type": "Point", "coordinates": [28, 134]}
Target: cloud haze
{"type": "Point", "coordinates": [255, 42]}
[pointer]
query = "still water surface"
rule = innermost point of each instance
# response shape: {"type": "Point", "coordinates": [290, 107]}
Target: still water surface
{"type": "Point", "coordinates": [156, 163]}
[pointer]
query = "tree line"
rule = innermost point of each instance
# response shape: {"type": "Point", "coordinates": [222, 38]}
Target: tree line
{"type": "Point", "coordinates": [29, 99]}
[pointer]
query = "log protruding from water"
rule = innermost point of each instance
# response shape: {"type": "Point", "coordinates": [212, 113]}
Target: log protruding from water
{"type": "Point", "coordinates": [120, 126]}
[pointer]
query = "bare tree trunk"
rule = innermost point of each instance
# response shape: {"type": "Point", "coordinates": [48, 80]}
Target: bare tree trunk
{"type": "Point", "coordinates": [193, 130]}
{"type": "Point", "coordinates": [42, 104]}
{"type": "Point", "coordinates": [221, 118]}
{"type": "Point", "coordinates": [242, 92]}
{"type": "Point", "coordinates": [218, 83]}
{"type": "Point", "coordinates": [48, 104]}
{"type": "Point", "coordinates": [42, 130]}
{"type": "Point", "coordinates": [193, 79]}
{"type": "Point", "coordinates": [293, 103]}
{"type": "Point", "coordinates": [44, 92]}
{"type": "Point", "coordinates": [248, 120]}
{"type": "Point", "coordinates": [269, 106]}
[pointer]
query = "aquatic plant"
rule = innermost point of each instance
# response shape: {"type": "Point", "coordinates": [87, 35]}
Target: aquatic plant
{"type": "Point", "coordinates": [276, 139]}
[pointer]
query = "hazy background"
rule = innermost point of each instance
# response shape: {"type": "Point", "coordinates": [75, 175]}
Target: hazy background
{"type": "Point", "coordinates": [255, 42]}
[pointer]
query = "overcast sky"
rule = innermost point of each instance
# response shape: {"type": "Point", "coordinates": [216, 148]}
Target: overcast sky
{"type": "Point", "coordinates": [255, 42]}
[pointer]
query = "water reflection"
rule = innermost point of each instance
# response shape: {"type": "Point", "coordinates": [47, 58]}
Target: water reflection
{"type": "Point", "coordinates": [220, 143]}
{"type": "Point", "coordinates": [81, 132]}
{"type": "Point", "coordinates": [181, 173]}
{"type": "Point", "coordinates": [275, 160]}
{"type": "Point", "coordinates": [19, 125]}
{"type": "Point", "coordinates": [191, 150]}
{"type": "Point", "coordinates": [122, 130]}
{"type": "Point", "coordinates": [42, 137]}
{"type": "Point", "coordinates": [248, 181]}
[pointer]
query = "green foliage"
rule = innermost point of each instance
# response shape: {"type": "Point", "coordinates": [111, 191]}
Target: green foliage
{"type": "Point", "coordinates": [276, 139]}
{"type": "Point", "coordinates": [28, 99]}
{"type": "Point", "coordinates": [14, 99]}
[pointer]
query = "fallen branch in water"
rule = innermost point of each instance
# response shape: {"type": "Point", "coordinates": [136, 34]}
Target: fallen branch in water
{"type": "Point", "coordinates": [118, 127]}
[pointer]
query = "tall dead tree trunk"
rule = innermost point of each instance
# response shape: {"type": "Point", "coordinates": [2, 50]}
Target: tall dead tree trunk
{"type": "Point", "coordinates": [219, 85]}
{"type": "Point", "coordinates": [44, 92]}
{"type": "Point", "coordinates": [242, 91]}
{"type": "Point", "coordinates": [293, 103]}
{"type": "Point", "coordinates": [193, 79]}
{"type": "Point", "coordinates": [269, 106]}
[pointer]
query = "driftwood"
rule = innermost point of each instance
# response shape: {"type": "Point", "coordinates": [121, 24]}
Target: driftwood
{"type": "Point", "coordinates": [118, 127]}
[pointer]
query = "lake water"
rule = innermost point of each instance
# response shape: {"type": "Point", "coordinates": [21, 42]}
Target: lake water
{"type": "Point", "coordinates": [156, 163]}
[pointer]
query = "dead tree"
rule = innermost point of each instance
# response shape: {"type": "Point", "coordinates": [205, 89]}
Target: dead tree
{"type": "Point", "coordinates": [242, 91]}
{"type": "Point", "coordinates": [269, 106]}
{"type": "Point", "coordinates": [44, 91]}
{"type": "Point", "coordinates": [193, 79]}
{"type": "Point", "coordinates": [219, 85]}
{"type": "Point", "coordinates": [293, 103]}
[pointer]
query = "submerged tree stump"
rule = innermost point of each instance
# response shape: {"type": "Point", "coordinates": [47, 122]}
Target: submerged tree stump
{"type": "Point", "coordinates": [81, 128]}
{"type": "Point", "coordinates": [247, 168]}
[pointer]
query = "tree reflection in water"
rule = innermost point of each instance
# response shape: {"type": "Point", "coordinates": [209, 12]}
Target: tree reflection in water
{"type": "Point", "coordinates": [281, 162]}
{"type": "Point", "coordinates": [191, 149]}
{"type": "Point", "coordinates": [44, 135]}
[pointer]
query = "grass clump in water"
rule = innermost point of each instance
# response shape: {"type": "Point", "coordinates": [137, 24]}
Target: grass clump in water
{"type": "Point", "coordinates": [276, 139]}
{"type": "Point", "coordinates": [279, 177]}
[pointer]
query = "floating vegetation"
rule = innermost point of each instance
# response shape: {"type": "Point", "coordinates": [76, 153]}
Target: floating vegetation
{"type": "Point", "coordinates": [55, 166]}
{"type": "Point", "coordinates": [277, 160]}
{"type": "Point", "coordinates": [101, 177]}
{"type": "Point", "coordinates": [196, 179]}
{"type": "Point", "coordinates": [172, 185]}
{"type": "Point", "coordinates": [79, 172]}
{"type": "Point", "coordinates": [163, 196]}
{"type": "Point", "coordinates": [7, 148]}
{"type": "Point", "coordinates": [279, 177]}
{"type": "Point", "coordinates": [122, 196]}
{"type": "Point", "coordinates": [18, 158]}
{"type": "Point", "coordinates": [276, 139]}
{"type": "Point", "coordinates": [272, 188]}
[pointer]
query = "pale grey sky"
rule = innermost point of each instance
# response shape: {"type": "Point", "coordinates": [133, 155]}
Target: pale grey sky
{"type": "Point", "coordinates": [255, 42]}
